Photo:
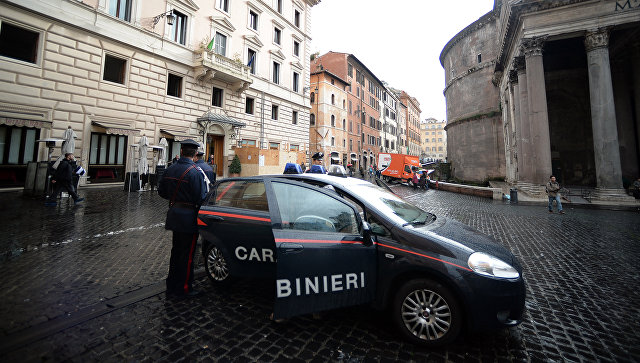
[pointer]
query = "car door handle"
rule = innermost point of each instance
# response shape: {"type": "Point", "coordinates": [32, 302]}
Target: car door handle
{"type": "Point", "coordinates": [215, 218]}
{"type": "Point", "coordinates": [291, 247]}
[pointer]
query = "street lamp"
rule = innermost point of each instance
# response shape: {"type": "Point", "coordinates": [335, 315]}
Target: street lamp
{"type": "Point", "coordinates": [170, 18]}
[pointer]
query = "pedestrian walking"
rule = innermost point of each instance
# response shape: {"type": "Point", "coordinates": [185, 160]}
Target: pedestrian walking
{"type": "Point", "coordinates": [63, 179]}
{"type": "Point", "coordinates": [370, 171]}
{"type": "Point", "coordinates": [415, 180]}
{"type": "Point", "coordinates": [553, 192]}
{"type": "Point", "coordinates": [208, 170]}
{"type": "Point", "coordinates": [423, 180]}
{"type": "Point", "coordinates": [183, 184]}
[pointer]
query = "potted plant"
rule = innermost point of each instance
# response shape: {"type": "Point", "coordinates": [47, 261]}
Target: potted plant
{"type": "Point", "coordinates": [235, 167]}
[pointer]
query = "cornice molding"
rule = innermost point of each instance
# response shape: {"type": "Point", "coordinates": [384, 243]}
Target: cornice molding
{"type": "Point", "coordinates": [223, 22]}
{"type": "Point", "coordinates": [253, 40]}
{"type": "Point", "coordinates": [277, 53]}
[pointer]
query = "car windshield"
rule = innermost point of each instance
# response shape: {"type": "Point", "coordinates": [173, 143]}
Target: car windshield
{"type": "Point", "coordinates": [393, 207]}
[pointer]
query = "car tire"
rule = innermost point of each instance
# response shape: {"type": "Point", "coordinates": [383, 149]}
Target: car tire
{"type": "Point", "coordinates": [409, 182]}
{"type": "Point", "coordinates": [426, 313]}
{"type": "Point", "coordinates": [215, 264]}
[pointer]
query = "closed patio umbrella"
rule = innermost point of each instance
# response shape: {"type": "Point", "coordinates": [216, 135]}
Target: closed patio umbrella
{"type": "Point", "coordinates": [69, 143]}
{"type": "Point", "coordinates": [162, 158]}
{"type": "Point", "coordinates": [143, 163]}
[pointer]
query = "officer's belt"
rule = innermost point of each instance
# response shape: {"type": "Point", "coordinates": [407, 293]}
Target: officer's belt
{"type": "Point", "coordinates": [184, 205]}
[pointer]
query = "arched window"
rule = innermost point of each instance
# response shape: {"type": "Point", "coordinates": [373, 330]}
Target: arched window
{"type": "Point", "coordinates": [333, 99]}
{"type": "Point", "coordinates": [333, 121]}
{"type": "Point", "coordinates": [313, 97]}
{"type": "Point", "coordinates": [312, 120]}
{"type": "Point", "coordinates": [344, 104]}
{"type": "Point", "coordinates": [344, 124]}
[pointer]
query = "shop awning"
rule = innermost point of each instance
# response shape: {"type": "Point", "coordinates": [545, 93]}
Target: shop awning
{"type": "Point", "coordinates": [25, 123]}
{"type": "Point", "coordinates": [116, 129]}
{"type": "Point", "coordinates": [220, 118]}
{"type": "Point", "coordinates": [177, 135]}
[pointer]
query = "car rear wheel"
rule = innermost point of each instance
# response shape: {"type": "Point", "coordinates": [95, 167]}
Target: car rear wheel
{"type": "Point", "coordinates": [215, 264]}
{"type": "Point", "coordinates": [426, 313]}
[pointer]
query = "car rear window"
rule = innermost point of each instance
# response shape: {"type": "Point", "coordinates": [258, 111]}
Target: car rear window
{"type": "Point", "coordinates": [245, 194]}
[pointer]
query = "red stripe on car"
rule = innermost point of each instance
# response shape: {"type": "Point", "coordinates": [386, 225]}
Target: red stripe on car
{"type": "Point", "coordinates": [314, 241]}
{"type": "Point", "coordinates": [423, 255]}
{"type": "Point", "coordinates": [241, 216]}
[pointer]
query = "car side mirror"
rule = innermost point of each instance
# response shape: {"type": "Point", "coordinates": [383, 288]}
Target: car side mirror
{"type": "Point", "coordinates": [366, 232]}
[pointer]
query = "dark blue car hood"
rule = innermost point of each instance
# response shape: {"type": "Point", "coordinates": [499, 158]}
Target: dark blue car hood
{"type": "Point", "coordinates": [467, 238]}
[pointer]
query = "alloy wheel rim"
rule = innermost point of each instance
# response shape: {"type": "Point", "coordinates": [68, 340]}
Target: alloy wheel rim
{"type": "Point", "coordinates": [426, 315]}
{"type": "Point", "coordinates": [217, 265]}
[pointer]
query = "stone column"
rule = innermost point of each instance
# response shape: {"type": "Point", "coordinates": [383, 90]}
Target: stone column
{"type": "Point", "coordinates": [538, 116]}
{"type": "Point", "coordinates": [603, 117]}
{"type": "Point", "coordinates": [515, 107]}
{"type": "Point", "coordinates": [523, 125]}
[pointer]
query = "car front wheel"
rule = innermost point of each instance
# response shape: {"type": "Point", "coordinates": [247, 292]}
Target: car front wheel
{"type": "Point", "coordinates": [426, 313]}
{"type": "Point", "coordinates": [215, 264]}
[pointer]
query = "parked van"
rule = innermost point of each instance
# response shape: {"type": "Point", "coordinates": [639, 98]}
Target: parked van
{"type": "Point", "coordinates": [397, 167]}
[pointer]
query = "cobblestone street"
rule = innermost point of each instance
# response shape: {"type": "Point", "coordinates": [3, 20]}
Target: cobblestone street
{"type": "Point", "coordinates": [86, 283]}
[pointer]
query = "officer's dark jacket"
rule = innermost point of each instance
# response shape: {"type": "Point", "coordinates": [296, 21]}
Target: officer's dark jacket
{"type": "Point", "coordinates": [182, 215]}
{"type": "Point", "coordinates": [207, 169]}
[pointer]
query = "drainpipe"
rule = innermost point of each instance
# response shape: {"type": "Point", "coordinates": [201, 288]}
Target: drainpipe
{"type": "Point", "coordinates": [262, 122]}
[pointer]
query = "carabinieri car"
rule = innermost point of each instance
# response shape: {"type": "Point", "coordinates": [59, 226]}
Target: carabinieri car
{"type": "Point", "coordinates": [329, 242]}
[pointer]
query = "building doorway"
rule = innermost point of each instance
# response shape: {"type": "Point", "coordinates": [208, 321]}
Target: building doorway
{"type": "Point", "coordinates": [215, 146]}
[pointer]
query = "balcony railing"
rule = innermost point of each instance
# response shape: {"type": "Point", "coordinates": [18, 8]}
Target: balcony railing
{"type": "Point", "coordinates": [210, 65]}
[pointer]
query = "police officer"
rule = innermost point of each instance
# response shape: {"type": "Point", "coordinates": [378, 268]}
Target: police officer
{"type": "Point", "coordinates": [316, 164]}
{"type": "Point", "coordinates": [183, 184]}
{"type": "Point", "coordinates": [208, 171]}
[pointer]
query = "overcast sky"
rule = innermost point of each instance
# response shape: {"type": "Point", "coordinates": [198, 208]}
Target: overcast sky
{"type": "Point", "coordinates": [399, 41]}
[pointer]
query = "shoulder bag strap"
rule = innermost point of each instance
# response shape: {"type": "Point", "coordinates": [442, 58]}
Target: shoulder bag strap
{"type": "Point", "coordinates": [175, 192]}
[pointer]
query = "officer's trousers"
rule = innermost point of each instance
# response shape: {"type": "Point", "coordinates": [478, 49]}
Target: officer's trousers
{"type": "Point", "coordinates": [180, 278]}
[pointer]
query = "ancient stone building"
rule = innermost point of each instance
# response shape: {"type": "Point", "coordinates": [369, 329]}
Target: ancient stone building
{"type": "Point", "coordinates": [541, 87]}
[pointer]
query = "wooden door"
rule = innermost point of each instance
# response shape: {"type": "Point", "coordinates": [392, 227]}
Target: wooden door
{"type": "Point", "coordinates": [216, 147]}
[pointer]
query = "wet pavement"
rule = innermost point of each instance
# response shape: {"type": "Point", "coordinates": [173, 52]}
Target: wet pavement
{"type": "Point", "coordinates": [85, 283]}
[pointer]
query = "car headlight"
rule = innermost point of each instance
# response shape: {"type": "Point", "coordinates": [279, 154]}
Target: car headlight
{"type": "Point", "coordinates": [488, 265]}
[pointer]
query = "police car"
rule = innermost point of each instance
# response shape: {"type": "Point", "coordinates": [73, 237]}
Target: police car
{"type": "Point", "coordinates": [329, 242]}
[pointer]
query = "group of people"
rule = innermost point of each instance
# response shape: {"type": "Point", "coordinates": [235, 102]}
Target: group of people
{"type": "Point", "coordinates": [421, 181]}
{"type": "Point", "coordinates": [63, 178]}
{"type": "Point", "coordinates": [374, 171]}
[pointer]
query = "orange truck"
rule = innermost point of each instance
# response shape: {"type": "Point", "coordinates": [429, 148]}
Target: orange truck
{"type": "Point", "coordinates": [397, 167]}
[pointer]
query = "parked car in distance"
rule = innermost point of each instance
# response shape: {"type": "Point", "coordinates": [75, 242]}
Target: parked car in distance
{"type": "Point", "coordinates": [329, 242]}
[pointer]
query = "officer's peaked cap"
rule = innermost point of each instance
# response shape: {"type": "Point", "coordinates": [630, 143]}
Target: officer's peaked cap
{"type": "Point", "coordinates": [318, 155]}
{"type": "Point", "coordinates": [188, 144]}
{"type": "Point", "coordinates": [200, 150]}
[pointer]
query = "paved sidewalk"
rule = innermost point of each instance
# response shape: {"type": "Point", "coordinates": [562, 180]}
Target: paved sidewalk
{"type": "Point", "coordinates": [103, 263]}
